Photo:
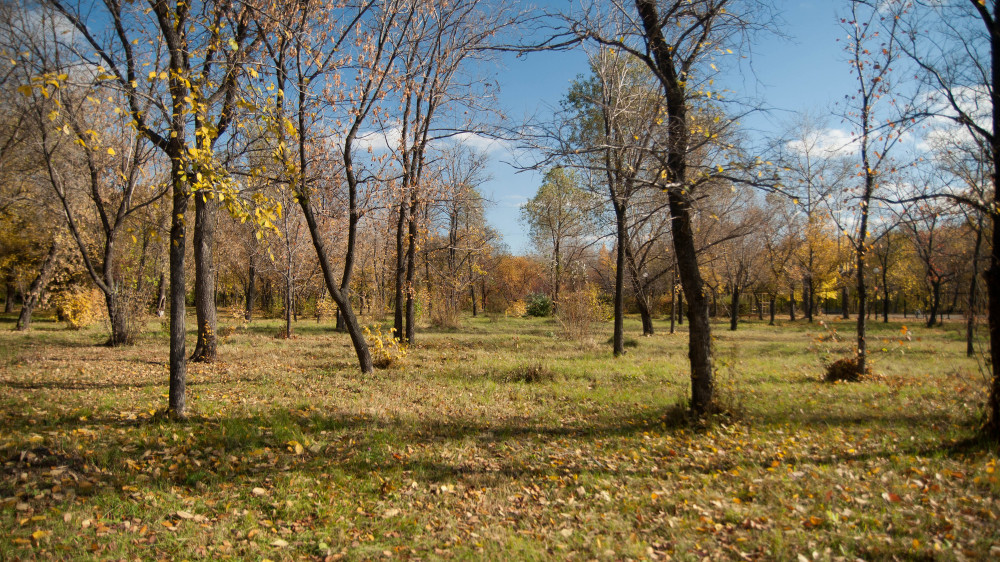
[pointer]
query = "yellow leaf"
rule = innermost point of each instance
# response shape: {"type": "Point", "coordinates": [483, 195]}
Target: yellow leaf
{"type": "Point", "coordinates": [111, 151]}
{"type": "Point", "coordinates": [24, 90]}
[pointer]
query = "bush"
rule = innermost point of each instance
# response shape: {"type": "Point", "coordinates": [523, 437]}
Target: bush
{"type": "Point", "coordinates": [846, 369]}
{"type": "Point", "coordinates": [78, 307]}
{"type": "Point", "coordinates": [517, 309]}
{"type": "Point", "coordinates": [539, 305]}
{"type": "Point", "coordinates": [386, 350]}
{"type": "Point", "coordinates": [579, 310]}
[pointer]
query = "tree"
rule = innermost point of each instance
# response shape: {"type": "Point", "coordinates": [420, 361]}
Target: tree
{"type": "Point", "coordinates": [196, 55]}
{"type": "Point", "coordinates": [955, 48]}
{"type": "Point", "coordinates": [613, 117]}
{"type": "Point", "coordinates": [558, 219]}
{"type": "Point", "coordinates": [878, 124]}
{"type": "Point", "coordinates": [815, 168]}
{"type": "Point", "coordinates": [680, 42]}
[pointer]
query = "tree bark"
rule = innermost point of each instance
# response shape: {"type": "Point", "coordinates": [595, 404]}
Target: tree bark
{"type": "Point", "coordinates": [932, 318]}
{"type": "Point", "coordinates": [771, 303]}
{"type": "Point", "coordinates": [970, 322]}
{"type": "Point", "coordinates": [8, 305]}
{"type": "Point", "coordinates": [37, 287]}
{"type": "Point", "coordinates": [249, 296]}
{"type": "Point", "coordinates": [734, 313]}
{"type": "Point", "coordinates": [204, 279]}
{"type": "Point", "coordinates": [411, 266]}
{"type": "Point", "coordinates": [622, 240]}
{"type": "Point", "coordinates": [398, 311]}
{"type": "Point", "coordinates": [178, 240]}
{"type": "Point", "coordinates": [161, 295]}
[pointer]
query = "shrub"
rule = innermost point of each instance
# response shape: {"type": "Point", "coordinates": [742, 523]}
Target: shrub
{"type": "Point", "coordinates": [528, 373]}
{"type": "Point", "coordinates": [326, 309]}
{"type": "Point", "coordinates": [846, 369]}
{"type": "Point", "coordinates": [517, 309]}
{"type": "Point", "coordinates": [539, 305]}
{"type": "Point", "coordinates": [579, 310]}
{"type": "Point", "coordinates": [386, 350]}
{"type": "Point", "coordinates": [78, 307]}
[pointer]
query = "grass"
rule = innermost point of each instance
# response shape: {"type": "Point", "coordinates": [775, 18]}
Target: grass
{"type": "Point", "coordinates": [499, 441]}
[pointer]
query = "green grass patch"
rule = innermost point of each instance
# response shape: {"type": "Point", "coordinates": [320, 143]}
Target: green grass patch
{"type": "Point", "coordinates": [502, 440]}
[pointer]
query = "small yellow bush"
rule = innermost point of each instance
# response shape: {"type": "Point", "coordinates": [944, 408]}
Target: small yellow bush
{"type": "Point", "coordinates": [517, 309]}
{"type": "Point", "coordinates": [386, 350]}
{"type": "Point", "coordinates": [78, 307]}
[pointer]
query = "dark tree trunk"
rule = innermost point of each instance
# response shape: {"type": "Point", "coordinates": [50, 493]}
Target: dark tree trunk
{"type": "Point", "coordinates": [161, 292]}
{"type": "Point", "coordinates": [932, 318]}
{"type": "Point", "coordinates": [970, 322]}
{"type": "Point", "coordinates": [673, 302]}
{"type": "Point", "coordinates": [400, 304]}
{"type": "Point", "coordinates": [411, 266]}
{"type": "Point", "coordinates": [771, 307]}
{"type": "Point", "coordinates": [204, 282]}
{"type": "Point", "coordinates": [734, 314]}
{"type": "Point", "coordinates": [249, 297]}
{"type": "Point", "coordinates": [289, 305]}
{"type": "Point", "coordinates": [622, 240]}
{"type": "Point", "coordinates": [37, 287]}
{"type": "Point", "coordinates": [8, 305]}
{"type": "Point", "coordinates": [845, 303]}
{"type": "Point", "coordinates": [680, 308]}
{"type": "Point", "coordinates": [807, 297]}
{"type": "Point", "coordinates": [178, 241]}
{"type": "Point", "coordinates": [791, 304]}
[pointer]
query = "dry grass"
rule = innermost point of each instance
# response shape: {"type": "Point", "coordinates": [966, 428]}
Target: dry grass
{"type": "Point", "coordinates": [502, 441]}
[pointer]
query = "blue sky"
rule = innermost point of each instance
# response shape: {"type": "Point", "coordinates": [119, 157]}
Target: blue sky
{"type": "Point", "coordinates": [804, 71]}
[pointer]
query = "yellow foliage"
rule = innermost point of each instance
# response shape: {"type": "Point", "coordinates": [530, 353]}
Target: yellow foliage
{"type": "Point", "coordinates": [517, 309]}
{"type": "Point", "coordinates": [386, 350]}
{"type": "Point", "coordinates": [78, 307]}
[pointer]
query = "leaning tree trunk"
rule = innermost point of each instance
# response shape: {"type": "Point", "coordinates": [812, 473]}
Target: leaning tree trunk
{"type": "Point", "coordinates": [37, 287]}
{"type": "Point", "coordinates": [204, 282]}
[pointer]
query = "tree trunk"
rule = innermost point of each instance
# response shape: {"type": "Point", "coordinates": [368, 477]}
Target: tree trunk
{"type": "Point", "coordinates": [251, 279]}
{"type": "Point", "coordinates": [411, 266]}
{"type": "Point", "coordinates": [734, 314]}
{"type": "Point", "coordinates": [622, 240]}
{"type": "Point", "coordinates": [673, 302]}
{"type": "Point", "coordinates": [791, 304]}
{"type": "Point", "coordinates": [178, 241]}
{"type": "Point", "coordinates": [204, 281]}
{"type": "Point", "coordinates": [8, 305]}
{"type": "Point", "coordinates": [885, 296]}
{"type": "Point", "coordinates": [807, 297]}
{"type": "Point", "coordinates": [771, 303]}
{"type": "Point", "coordinates": [398, 332]}
{"type": "Point", "coordinates": [932, 318]}
{"type": "Point", "coordinates": [37, 287]}
{"type": "Point", "coordinates": [970, 322]}
{"type": "Point", "coordinates": [161, 292]}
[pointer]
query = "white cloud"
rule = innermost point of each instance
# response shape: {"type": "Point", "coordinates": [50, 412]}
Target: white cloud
{"type": "Point", "coordinates": [480, 143]}
{"type": "Point", "coordinates": [826, 143]}
{"type": "Point", "coordinates": [380, 141]}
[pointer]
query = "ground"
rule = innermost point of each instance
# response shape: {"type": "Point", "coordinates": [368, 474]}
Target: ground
{"type": "Point", "coordinates": [500, 440]}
